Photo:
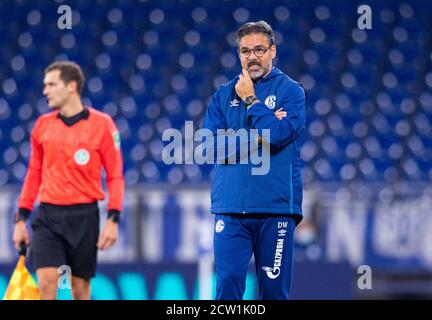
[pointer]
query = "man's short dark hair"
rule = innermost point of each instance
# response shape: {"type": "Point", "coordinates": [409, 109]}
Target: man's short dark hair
{"type": "Point", "coordinates": [69, 71]}
{"type": "Point", "coordinates": [256, 27]}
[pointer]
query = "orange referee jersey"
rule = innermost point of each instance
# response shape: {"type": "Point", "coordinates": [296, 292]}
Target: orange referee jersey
{"type": "Point", "coordinates": [66, 162]}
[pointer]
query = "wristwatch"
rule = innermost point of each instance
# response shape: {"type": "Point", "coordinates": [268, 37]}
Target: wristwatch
{"type": "Point", "coordinates": [22, 214]}
{"type": "Point", "coordinates": [17, 218]}
{"type": "Point", "coordinates": [249, 100]}
{"type": "Point", "coordinates": [114, 215]}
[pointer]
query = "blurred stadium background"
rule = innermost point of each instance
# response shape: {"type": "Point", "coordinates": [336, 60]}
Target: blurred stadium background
{"type": "Point", "coordinates": [152, 65]}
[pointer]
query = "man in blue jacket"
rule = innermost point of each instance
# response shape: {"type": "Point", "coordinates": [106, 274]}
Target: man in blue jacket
{"type": "Point", "coordinates": [257, 214]}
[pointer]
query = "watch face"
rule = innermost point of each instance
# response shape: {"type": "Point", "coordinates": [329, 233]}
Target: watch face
{"type": "Point", "coordinates": [250, 99]}
{"type": "Point", "coordinates": [114, 218]}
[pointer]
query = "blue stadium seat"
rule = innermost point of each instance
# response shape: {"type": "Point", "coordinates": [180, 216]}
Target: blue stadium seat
{"type": "Point", "coordinates": [150, 68]}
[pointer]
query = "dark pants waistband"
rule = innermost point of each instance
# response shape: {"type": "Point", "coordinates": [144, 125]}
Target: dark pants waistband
{"type": "Point", "coordinates": [90, 205]}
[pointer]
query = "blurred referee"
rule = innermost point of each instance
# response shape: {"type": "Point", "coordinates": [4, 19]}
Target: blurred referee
{"type": "Point", "coordinates": [69, 148]}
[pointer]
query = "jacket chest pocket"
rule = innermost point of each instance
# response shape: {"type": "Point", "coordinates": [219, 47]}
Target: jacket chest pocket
{"type": "Point", "coordinates": [236, 118]}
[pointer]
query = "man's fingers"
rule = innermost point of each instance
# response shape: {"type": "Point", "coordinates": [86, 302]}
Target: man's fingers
{"type": "Point", "coordinates": [280, 114]}
{"type": "Point", "coordinates": [20, 235]}
{"type": "Point", "coordinates": [101, 242]}
{"type": "Point", "coordinates": [104, 244]}
{"type": "Point", "coordinates": [110, 241]}
{"type": "Point", "coordinates": [246, 73]}
{"type": "Point", "coordinates": [106, 241]}
{"type": "Point", "coordinates": [17, 244]}
{"type": "Point", "coordinates": [16, 241]}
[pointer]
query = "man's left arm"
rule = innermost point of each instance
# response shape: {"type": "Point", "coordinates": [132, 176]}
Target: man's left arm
{"type": "Point", "coordinates": [113, 163]}
{"type": "Point", "coordinates": [282, 132]}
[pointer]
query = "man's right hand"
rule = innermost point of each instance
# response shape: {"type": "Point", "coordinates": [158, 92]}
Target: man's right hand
{"type": "Point", "coordinates": [20, 234]}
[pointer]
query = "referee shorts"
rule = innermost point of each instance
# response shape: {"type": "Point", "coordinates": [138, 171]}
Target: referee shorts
{"type": "Point", "coordinates": [66, 235]}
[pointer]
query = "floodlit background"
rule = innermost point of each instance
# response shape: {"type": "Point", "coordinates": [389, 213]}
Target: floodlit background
{"type": "Point", "coordinates": [152, 65]}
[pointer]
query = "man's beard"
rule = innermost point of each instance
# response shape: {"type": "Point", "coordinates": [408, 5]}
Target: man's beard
{"type": "Point", "coordinates": [256, 74]}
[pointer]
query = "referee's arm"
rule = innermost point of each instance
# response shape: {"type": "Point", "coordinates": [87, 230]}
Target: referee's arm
{"type": "Point", "coordinates": [29, 191]}
{"type": "Point", "coordinates": [113, 163]}
{"type": "Point", "coordinates": [33, 177]}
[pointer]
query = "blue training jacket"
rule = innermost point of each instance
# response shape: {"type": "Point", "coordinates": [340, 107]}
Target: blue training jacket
{"type": "Point", "coordinates": [234, 188]}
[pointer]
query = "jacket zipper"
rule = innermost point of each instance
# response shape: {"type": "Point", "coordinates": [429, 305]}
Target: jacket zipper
{"type": "Point", "coordinates": [244, 167]}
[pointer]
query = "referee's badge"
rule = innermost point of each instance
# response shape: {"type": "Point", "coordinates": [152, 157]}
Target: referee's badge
{"type": "Point", "coordinates": [82, 157]}
{"type": "Point", "coordinates": [270, 102]}
{"type": "Point", "coordinates": [116, 137]}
